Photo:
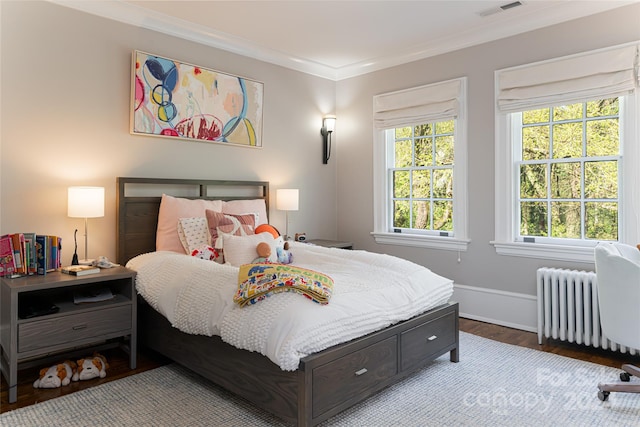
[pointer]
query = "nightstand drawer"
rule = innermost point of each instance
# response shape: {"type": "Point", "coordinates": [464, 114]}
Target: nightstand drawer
{"type": "Point", "coordinates": [350, 375]}
{"type": "Point", "coordinates": [420, 343]}
{"type": "Point", "coordinates": [67, 329]}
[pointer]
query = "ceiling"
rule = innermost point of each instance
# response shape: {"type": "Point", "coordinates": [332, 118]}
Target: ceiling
{"type": "Point", "coordinates": [342, 39]}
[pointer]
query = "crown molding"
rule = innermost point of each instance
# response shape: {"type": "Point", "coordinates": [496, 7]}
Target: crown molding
{"type": "Point", "coordinates": [135, 15]}
{"type": "Point", "coordinates": [496, 27]}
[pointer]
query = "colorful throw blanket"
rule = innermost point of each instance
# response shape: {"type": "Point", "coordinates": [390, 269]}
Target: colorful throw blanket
{"type": "Point", "coordinates": [258, 281]}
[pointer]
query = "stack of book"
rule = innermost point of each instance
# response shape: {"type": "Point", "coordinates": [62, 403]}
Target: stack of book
{"type": "Point", "coordinates": [24, 254]}
{"type": "Point", "coordinates": [80, 270]}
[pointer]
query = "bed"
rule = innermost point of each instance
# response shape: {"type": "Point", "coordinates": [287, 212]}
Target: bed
{"type": "Point", "coordinates": [325, 382]}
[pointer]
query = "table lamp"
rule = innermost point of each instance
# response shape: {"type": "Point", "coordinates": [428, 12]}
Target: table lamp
{"type": "Point", "coordinates": [85, 202]}
{"type": "Point", "coordinates": [287, 200]}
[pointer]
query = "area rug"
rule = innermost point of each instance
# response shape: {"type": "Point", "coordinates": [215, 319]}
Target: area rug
{"type": "Point", "coordinates": [494, 384]}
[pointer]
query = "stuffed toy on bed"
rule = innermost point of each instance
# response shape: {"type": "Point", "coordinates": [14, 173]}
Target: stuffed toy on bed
{"type": "Point", "coordinates": [264, 253]}
{"type": "Point", "coordinates": [206, 252]}
{"type": "Point", "coordinates": [56, 376]}
{"type": "Point", "coordinates": [284, 254]}
{"type": "Point", "coordinates": [92, 367]}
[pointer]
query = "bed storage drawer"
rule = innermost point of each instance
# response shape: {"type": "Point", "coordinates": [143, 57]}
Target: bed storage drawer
{"type": "Point", "coordinates": [419, 344]}
{"type": "Point", "coordinates": [347, 377]}
{"type": "Point", "coordinates": [76, 327]}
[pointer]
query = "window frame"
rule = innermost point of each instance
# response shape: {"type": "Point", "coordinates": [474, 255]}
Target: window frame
{"type": "Point", "coordinates": [383, 204]}
{"type": "Point", "coordinates": [505, 242]}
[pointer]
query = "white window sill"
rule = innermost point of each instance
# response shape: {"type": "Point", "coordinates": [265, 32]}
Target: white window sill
{"type": "Point", "coordinates": [421, 241]}
{"type": "Point", "coordinates": [545, 251]}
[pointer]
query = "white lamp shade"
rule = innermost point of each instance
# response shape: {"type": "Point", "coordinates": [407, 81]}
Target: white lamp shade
{"type": "Point", "coordinates": [330, 123]}
{"type": "Point", "coordinates": [85, 202]}
{"type": "Point", "coordinates": [287, 199]}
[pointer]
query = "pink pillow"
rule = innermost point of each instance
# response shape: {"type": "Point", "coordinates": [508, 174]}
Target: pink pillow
{"type": "Point", "coordinates": [254, 206]}
{"type": "Point", "coordinates": [237, 225]}
{"type": "Point", "coordinates": [171, 210]}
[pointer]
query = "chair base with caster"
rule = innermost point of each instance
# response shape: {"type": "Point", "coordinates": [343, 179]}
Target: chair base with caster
{"type": "Point", "coordinates": [629, 370]}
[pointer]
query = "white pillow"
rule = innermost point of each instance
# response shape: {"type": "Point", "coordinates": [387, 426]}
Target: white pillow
{"type": "Point", "coordinates": [194, 233]}
{"type": "Point", "coordinates": [240, 250]}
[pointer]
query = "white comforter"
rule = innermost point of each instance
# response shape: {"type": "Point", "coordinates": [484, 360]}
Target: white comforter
{"type": "Point", "coordinates": [371, 291]}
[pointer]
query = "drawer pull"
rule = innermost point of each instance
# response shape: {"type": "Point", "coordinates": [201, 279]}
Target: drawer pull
{"type": "Point", "coordinates": [78, 327]}
{"type": "Point", "coordinates": [361, 372]}
{"type": "Point", "coordinates": [432, 337]}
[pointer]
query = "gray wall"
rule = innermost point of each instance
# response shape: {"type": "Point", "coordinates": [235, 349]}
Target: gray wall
{"type": "Point", "coordinates": [479, 266]}
{"type": "Point", "coordinates": [65, 121]}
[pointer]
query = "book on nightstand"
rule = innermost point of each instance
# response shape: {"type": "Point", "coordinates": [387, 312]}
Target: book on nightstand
{"type": "Point", "coordinates": [7, 263]}
{"type": "Point", "coordinates": [18, 253]}
{"type": "Point", "coordinates": [30, 253]}
{"type": "Point", "coordinates": [80, 270]}
{"type": "Point", "coordinates": [41, 254]}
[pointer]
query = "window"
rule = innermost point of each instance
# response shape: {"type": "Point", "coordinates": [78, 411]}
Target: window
{"type": "Point", "coordinates": [420, 167]}
{"type": "Point", "coordinates": [566, 148]}
{"type": "Point", "coordinates": [420, 161]}
{"type": "Point", "coordinates": [567, 162]}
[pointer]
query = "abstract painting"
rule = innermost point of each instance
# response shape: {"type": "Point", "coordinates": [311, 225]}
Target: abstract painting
{"type": "Point", "coordinates": [178, 100]}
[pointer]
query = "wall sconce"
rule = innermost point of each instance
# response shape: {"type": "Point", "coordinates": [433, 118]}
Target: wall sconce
{"type": "Point", "coordinates": [287, 200]}
{"type": "Point", "coordinates": [85, 202]}
{"type": "Point", "coordinates": [328, 126]}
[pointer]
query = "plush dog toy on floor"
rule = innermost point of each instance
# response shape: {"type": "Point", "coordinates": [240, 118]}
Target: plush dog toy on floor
{"type": "Point", "coordinates": [56, 375]}
{"type": "Point", "coordinates": [93, 367]}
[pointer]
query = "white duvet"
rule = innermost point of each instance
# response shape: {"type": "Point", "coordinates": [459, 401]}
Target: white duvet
{"type": "Point", "coordinates": [371, 291]}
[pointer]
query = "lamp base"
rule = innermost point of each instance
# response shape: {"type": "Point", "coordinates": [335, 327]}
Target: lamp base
{"type": "Point", "coordinates": [86, 261]}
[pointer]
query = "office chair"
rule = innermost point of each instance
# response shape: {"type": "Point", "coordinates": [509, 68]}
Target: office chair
{"type": "Point", "coordinates": [618, 274]}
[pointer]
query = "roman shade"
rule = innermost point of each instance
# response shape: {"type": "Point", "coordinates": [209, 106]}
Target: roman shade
{"type": "Point", "coordinates": [429, 103]}
{"type": "Point", "coordinates": [604, 73]}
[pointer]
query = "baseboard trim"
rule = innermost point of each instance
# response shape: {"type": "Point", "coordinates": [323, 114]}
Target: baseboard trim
{"type": "Point", "coordinates": [503, 308]}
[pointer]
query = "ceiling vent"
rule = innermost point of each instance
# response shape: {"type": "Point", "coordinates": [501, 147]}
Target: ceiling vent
{"type": "Point", "coordinates": [498, 9]}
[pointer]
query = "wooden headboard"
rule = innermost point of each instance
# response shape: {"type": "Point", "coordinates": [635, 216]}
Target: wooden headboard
{"type": "Point", "coordinates": [138, 203]}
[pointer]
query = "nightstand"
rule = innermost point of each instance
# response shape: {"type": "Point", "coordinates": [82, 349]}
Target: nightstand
{"type": "Point", "coordinates": [75, 329]}
{"type": "Point", "coordinates": [331, 243]}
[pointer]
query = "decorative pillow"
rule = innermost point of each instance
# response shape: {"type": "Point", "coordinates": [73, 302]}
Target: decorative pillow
{"type": "Point", "coordinates": [237, 225]}
{"type": "Point", "coordinates": [240, 250]}
{"type": "Point", "coordinates": [193, 233]}
{"type": "Point", "coordinates": [173, 208]}
{"type": "Point", "coordinates": [239, 207]}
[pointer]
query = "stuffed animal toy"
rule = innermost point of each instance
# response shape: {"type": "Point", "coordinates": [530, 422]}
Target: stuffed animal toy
{"type": "Point", "coordinates": [56, 375]}
{"type": "Point", "coordinates": [264, 252]}
{"type": "Point", "coordinates": [93, 367]}
{"type": "Point", "coordinates": [266, 228]}
{"type": "Point", "coordinates": [206, 252]}
{"type": "Point", "coordinates": [284, 255]}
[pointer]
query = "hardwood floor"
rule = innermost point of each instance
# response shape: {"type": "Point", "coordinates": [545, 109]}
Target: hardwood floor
{"type": "Point", "coordinates": [530, 340]}
{"type": "Point", "coordinates": [119, 363]}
